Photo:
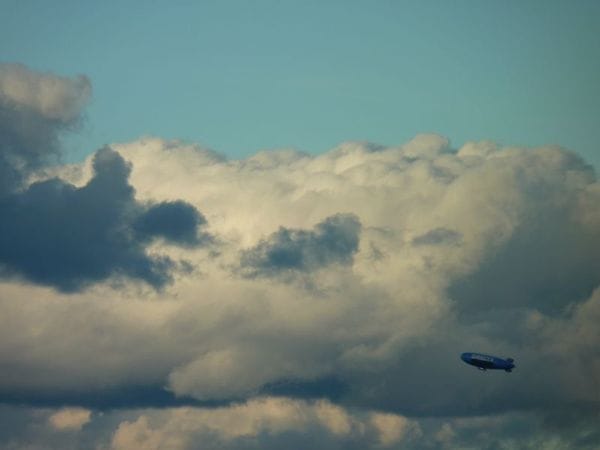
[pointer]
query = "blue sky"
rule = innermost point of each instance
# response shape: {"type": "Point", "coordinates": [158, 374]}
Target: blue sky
{"type": "Point", "coordinates": [242, 76]}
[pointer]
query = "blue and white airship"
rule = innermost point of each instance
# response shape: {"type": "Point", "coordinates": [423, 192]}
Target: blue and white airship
{"type": "Point", "coordinates": [485, 362]}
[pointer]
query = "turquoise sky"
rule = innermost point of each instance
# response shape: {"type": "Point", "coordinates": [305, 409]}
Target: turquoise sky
{"type": "Point", "coordinates": [240, 76]}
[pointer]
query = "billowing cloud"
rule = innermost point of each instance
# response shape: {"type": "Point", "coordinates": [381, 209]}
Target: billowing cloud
{"type": "Point", "coordinates": [332, 304]}
{"type": "Point", "coordinates": [68, 237]}
{"type": "Point", "coordinates": [56, 234]}
{"type": "Point", "coordinates": [273, 423]}
{"type": "Point", "coordinates": [264, 421]}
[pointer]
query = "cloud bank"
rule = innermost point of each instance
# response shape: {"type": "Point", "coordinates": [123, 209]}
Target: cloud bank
{"type": "Point", "coordinates": [300, 301]}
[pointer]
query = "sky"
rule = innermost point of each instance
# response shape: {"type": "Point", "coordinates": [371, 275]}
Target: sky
{"type": "Point", "coordinates": [277, 225]}
{"type": "Point", "coordinates": [245, 76]}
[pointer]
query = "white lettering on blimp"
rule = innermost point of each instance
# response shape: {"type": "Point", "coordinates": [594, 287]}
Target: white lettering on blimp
{"type": "Point", "coordinates": [482, 357]}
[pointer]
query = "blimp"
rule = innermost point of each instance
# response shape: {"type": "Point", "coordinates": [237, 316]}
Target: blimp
{"type": "Point", "coordinates": [485, 362]}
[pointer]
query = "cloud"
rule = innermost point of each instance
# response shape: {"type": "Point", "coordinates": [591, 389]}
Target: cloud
{"type": "Point", "coordinates": [176, 222]}
{"type": "Point", "coordinates": [261, 421]}
{"type": "Point", "coordinates": [353, 278]}
{"type": "Point", "coordinates": [436, 218]}
{"type": "Point", "coordinates": [69, 237]}
{"type": "Point", "coordinates": [272, 423]}
{"type": "Point", "coordinates": [392, 428]}
{"type": "Point", "coordinates": [383, 237]}
{"type": "Point", "coordinates": [34, 109]}
{"type": "Point", "coordinates": [438, 236]}
{"type": "Point", "coordinates": [70, 418]}
{"type": "Point", "coordinates": [53, 97]}
{"type": "Point", "coordinates": [333, 241]}
{"type": "Point", "coordinates": [546, 256]}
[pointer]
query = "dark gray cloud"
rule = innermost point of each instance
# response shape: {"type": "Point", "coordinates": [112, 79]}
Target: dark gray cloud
{"type": "Point", "coordinates": [438, 236]}
{"type": "Point", "coordinates": [104, 398]}
{"type": "Point", "coordinates": [56, 234]}
{"type": "Point", "coordinates": [333, 241]}
{"type": "Point", "coordinates": [175, 222]}
{"type": "Point", "coordinates": [324, 387]}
